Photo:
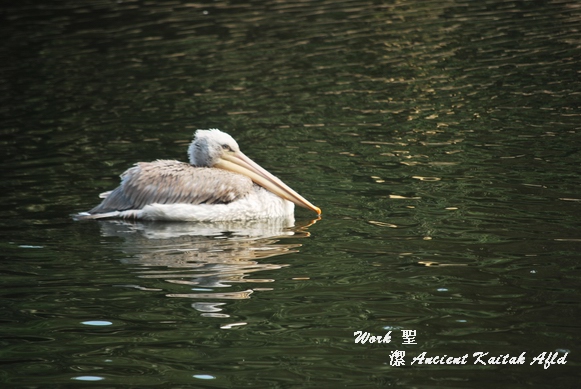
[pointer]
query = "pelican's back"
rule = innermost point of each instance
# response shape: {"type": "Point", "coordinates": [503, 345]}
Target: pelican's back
{"type": "Point", "coordinates": [171, 182]}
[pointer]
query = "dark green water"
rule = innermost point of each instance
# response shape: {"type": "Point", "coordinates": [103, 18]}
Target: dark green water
{"type": "Point", "coordinates": [442, 140]}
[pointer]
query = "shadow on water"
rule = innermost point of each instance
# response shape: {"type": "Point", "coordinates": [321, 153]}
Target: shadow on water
{"type": "Point", "coordinates": [202, 261]}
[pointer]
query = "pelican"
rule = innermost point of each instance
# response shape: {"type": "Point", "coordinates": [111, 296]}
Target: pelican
{"type": "Point", "coordinates": [220, 183]}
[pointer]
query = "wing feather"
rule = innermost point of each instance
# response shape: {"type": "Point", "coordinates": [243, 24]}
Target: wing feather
{"type": "Point", "coordinates": [173, 182]}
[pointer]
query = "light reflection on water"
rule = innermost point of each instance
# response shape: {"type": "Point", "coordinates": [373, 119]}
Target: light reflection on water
{"type": "Point", "coordinates": [202, 259]}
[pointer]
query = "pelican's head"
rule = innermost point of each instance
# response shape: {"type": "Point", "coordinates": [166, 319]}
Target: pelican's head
{"type": "Point", "coordinates": [209, 146]}
{"type": "Point", "coordinates": [214, 148]}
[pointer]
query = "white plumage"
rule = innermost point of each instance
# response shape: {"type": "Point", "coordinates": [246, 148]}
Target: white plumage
{"type": "Point", "coordinates": [219, 184]}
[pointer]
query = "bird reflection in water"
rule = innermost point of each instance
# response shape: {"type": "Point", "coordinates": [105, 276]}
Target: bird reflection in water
{"type": "Point", "coordinates": [201, 260]}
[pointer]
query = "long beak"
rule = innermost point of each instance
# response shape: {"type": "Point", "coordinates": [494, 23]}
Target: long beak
{"type": "Point", "coordinates": [240, 163]}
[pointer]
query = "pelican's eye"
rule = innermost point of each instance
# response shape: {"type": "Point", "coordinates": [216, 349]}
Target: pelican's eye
{"type": "Point", "coordinates": [227, 147]}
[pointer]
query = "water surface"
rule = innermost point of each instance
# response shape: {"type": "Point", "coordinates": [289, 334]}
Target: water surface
{"type": "Point", "coordinates": [440, 139]}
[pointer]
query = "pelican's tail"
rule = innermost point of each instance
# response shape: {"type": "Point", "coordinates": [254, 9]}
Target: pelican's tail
{"type": "Point", "coordinates": [92, 216]}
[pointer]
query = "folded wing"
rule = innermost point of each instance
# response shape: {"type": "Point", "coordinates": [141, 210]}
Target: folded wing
{"type": "Point", "coordinates": [173, 182]}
